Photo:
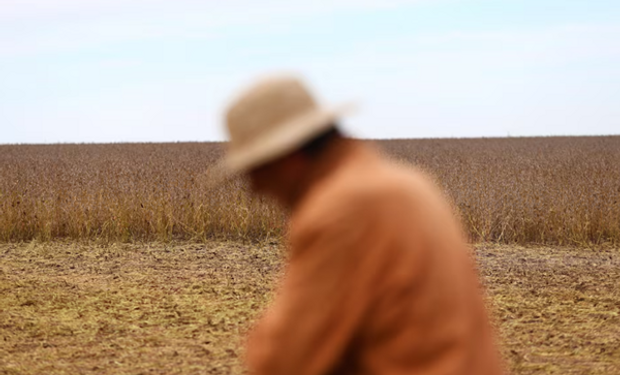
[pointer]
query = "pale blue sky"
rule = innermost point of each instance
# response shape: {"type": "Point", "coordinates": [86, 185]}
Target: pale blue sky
{"type": "Point", "coordinates": [124, 71]}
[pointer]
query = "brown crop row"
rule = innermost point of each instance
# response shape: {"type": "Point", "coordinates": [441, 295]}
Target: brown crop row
{"type": "Point", "coordinates": [563, 190]}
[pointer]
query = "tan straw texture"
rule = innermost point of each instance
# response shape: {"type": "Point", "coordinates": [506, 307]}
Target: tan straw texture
{"type": "Point", "coordinates": [272, 118]}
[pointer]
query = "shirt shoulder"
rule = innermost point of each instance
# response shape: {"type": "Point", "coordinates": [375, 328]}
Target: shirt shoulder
{"type": "Point", "coordinates": [360, 192]}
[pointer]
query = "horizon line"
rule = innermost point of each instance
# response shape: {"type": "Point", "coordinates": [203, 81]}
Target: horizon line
{"type": "Point", "coordinates": [357, 138]}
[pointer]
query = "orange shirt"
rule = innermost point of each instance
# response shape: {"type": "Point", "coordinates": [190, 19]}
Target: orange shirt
{"type": "Point", "coordinates": [380, 280]}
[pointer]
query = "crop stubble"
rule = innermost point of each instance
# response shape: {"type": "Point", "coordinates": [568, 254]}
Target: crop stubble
{"type": "Point", "coordinates": [184, 308]}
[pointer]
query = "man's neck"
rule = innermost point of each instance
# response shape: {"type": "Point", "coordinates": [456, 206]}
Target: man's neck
{"type": "Point", "coordinates": [324, 165]}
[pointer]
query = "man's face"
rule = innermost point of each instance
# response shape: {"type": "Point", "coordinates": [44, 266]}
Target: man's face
{"type": "Point", "coordinates": [281, 178]}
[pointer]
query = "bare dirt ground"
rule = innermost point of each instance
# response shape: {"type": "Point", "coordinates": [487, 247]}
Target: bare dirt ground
{"type": "Point", "coordinates": [69, 308]}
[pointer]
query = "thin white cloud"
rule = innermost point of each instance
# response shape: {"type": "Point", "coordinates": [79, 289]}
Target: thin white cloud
{"type": "Point", "coordinates": [34, 26]}
{"type": "Point", "coordinates": [54, 8]}
{"type": "Point", "coordinates": [78, 34]}
{"type": "Point", "coordinates": [538, 47]}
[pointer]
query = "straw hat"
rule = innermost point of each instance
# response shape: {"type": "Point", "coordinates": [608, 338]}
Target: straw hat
{"type": "Point", "coordinates": [272, 118]}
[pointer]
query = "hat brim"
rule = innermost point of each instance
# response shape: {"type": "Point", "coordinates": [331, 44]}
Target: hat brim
{"type": "Point", "coordinates": [276, 144]}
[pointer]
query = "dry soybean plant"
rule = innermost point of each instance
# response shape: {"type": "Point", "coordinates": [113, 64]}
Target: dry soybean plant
{"type": "Point", "coordinates": [563, 190]}
{"type": "Point", "coordinates": [559, 190]}
{"type": "Point", "coordinates": [125, 192]}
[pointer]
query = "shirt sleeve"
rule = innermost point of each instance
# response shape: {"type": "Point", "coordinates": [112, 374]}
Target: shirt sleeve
{"type": "Point", "coordinates": [324, 296]}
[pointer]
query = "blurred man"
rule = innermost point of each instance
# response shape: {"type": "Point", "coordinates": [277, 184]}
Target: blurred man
{"type": "Point", "coordinates": [380, 279]}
